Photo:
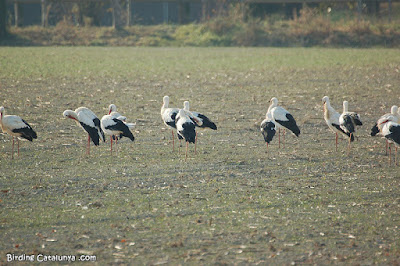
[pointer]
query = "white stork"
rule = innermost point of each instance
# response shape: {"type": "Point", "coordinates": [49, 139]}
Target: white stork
{"type": "Point", "coordinates": [89, 122]}
{"type": "Point", "coordinates": [16, 127]}
{"type": "Point", "coordinates": [115, 128]}
{"type": "Point", "coordinates": [268, 128]}
{"type": "Point", "coordinates": [348, 121]}
{"type": "Point", "coordinates": [393, 116]}
{"type": "Point", "coordinates": [282, 118]}
{"type": "Point", "coordinates": [186, 128]}
{"type": "Point", "coordinates": [112, 110]}
{"type": "Point", "coordinates": [391, 131]}
{"type": "Point", "coordinates": [332, 120]}
{"type": "Point", "coordinates": [199, 119]}
{"type": "Point", "coordinates": [168, 116]}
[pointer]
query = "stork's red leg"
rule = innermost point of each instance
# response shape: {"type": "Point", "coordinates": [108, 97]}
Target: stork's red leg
{"type": "Point", "coordinates": [349, 146]}
{"type": "Point", "coordinates": [18, 145]}
{"type": "Point", "coordinates": [173, 140]}
{"type": "Point", "coordinates": [195, 142]}
{"type": "Point", "coordinates": [187, 146]}
{"type": "Point", "coordinates": [12, 152]}
{"type": "Point", "coordinates": [284, 134]}
{"type": "Point", "coordinates": [387, 143]}
{"type": "Point", "coordinates": [390, 155]}
{"type": "Point", "coordinates": [88, 146]}
{"type": "Point", "coordinates": [116, 147]}
{"type": "Point", "coordinates": [279, 138]}
{"type": "Point", "coordinates": [336, 140]}
{"type": "Point", "coordinates": [111, 143]}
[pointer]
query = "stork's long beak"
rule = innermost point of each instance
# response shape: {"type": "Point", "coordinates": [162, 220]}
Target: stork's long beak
{"type": "Point", "coordinates": [72, 118]}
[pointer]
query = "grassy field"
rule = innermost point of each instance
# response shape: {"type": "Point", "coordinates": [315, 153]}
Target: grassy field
{"type": "Point", "coordinates": [232, 202]}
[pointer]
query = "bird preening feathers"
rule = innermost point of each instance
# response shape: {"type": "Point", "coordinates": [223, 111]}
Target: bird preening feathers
{"type": "Point", "coordinates": [112, 126]}
{"type": "Point", "coordinates": [89, 123]}
{"type": "Point", "coordinates": [115, 128]}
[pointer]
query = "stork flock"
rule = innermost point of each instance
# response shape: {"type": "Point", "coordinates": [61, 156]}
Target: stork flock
{"type": "Point", "coordinates": [341, 124]}
{"type": "Point", "coordinates": [185, 122]}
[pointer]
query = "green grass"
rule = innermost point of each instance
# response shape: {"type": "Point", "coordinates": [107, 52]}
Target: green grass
{"type": "Point", "coordinates": [232, 202]}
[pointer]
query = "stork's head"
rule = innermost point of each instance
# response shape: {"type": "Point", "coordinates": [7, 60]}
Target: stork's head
{"type": "Point", "coordinates": [274, 101]}
{"type": "Point", "coordinates": [70, 114]}
{"type": "Point", "coordinates": [325, 99]}
{"type": "Point", "coordinates": [165, 102]}
{"type": "Point", "coordinates": [112, 108]}
{"type": "Point", "coordinates": [1, 112]}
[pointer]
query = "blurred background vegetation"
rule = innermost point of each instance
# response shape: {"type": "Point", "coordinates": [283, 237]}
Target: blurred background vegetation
{"type": "Point", "coordinates": [201, 23]}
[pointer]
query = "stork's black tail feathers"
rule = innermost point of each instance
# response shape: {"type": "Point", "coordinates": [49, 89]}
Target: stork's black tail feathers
{"type": "Point", "coordinates": [93, 133]}
{"type": "Point", "coordinates": [290, 124]}
{"type": "Point", "coordinates": [127, 133]}
{"type": "Point", "coordinates": [268, 131]}
{"type": "Point", "coordinates": [188, 132]}
{"type": "Point", "coordinates": [374, 130]}
{"type": "Point", "coordinates": [121, 127]}
{"type": "Point", "coordinates": [26, 132]}
{"type": "Point", "coordinates": [348, 124]}
{"type": "Point", "coordinates": [356, 119]}
{"type": "Point", "coordinates": [394, 134]}
{"type": "Point", "coordinates": [207, 122]}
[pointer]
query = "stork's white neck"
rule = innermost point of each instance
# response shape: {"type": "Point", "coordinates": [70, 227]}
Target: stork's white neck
{"type": "Point", "coordinates": [165, 104]}
{"type": "Point", "coordinates": [186, 105]}
{"type": "Point", "coordinates": [274, 103]}
{"type": "Point", "coordinates": [345, 106]}
{"type": "Point", "coordinates": [394, 109]}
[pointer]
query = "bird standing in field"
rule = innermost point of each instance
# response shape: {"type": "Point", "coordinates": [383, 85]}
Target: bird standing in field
{"type": "Point", "coordinates": [16, 127]}
{"type": "Point", "coordinates": [332, 120]}
{"type": "Point", "coordinates": [186, 128]}
{"type": "Point", "coordinates": [268, 128]}
{"type": "Point", "coordinates": [393, 116]}
{"type": "Point", "coordinates": [348, 121]}
{"type": "Point", "coordinates": [112, 111]}
{"type": "Point", "coordinates": [115, 128]}
{"type": "Point", "coordinates": [168, 116]}
{"type": "Point", "coordinates": [199, 119]}
{"type": "Point", "coordinates": [282, 118]}
{"type": "Point", "coordinates": [391, 131]}
{"type": "Point", "coordinates": [89, 122]}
